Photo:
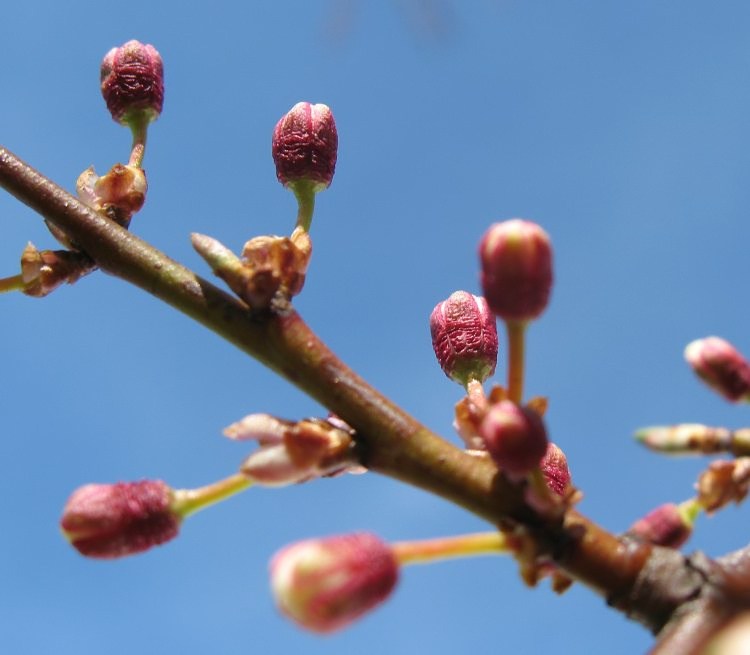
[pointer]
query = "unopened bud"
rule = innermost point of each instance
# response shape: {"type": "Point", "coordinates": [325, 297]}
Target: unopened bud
{"type": "Point", "coordinates": [685, 438]}
{"type": "Point", "coordinates": [326, 584]}
{"type": "Point", "coordinates": [464, 337]}
{"type": "Point", "coordinates": [113, 520]}
{"type": "Point", "coordinates": [132, 78]}
{"type": "Point", "coordinates": [304, 146]}
{"type": "Point", "coordinates": [516, 259]}
{"type": "Point", "coordinates": [554, 466]}
{"type": "Point", "coordinates": [718, 363]}
{"type": "Point", "coordinates": [515, 437]}
{"type": "Point", "coordinates": [669, 525]}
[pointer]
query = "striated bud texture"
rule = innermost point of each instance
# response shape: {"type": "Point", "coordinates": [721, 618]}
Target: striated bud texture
{"type": "Point", "coordinates": [515, 437]}
{"type": "Point", "coordinates": [114, 520]}
{"type": "Point", "coordinates": [664, 526]}
{"type": "Point", "coordinates": [516, 260]}
{"type": "Point", "coordinates": [464, 337]}
{"type": "Point", "coordinates": [326, 584]}
{"type": "Point", "coordinates": [132, 78]}
{"type": "Point", "coordinates": [305, 145]}
{"type": "Point", "coordinates": [721, 367]}
{"type": "Point", "coordinates": [555, 469]}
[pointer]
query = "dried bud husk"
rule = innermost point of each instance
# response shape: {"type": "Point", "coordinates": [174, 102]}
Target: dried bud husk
{"type": "Point", "coordinates": [326, 584]}
{"type": "Point", "coordinates": [724, 482]}
{"type": "Point", "coordinates": [42, 271]}
{"type": "Point", "coordinates": [119, 194]}
{"type": "Point", "coordinates": [113, 520]}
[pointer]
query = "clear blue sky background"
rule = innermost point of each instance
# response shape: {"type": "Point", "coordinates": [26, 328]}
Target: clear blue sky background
{"type": "Point", "coordinates": [621, 127]}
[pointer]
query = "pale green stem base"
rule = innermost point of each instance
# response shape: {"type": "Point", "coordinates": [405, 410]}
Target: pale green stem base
{"type": "Point", "coordinates": [139, 127]}
{"type": "Point", "coordinates": [516, 345]}
{"type": "Point", "coordinates": [475, 391]}
{"type": "Point", "coordinates": [189, 501]}
{"type": "Point", "coordinates": [432, 550]}
{"type": "Point", "coordinates": [305, 194]}
{"type": "Point", "coordinates": [14, 283]}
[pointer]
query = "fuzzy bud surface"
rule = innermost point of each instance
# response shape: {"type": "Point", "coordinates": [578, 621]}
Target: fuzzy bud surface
{"type": "Point", "coordinates": [326, 584]}
{"type": "Point", "coordinates": [113, 520]}
{"type": "Point", "coordinates": [464, 337]}
{"type": "Point", "coordinates": [516, 261]}
{"type": "Point", "coordinates": [305, 145]}
{"type": "Point", "coordinates": [132, 79]}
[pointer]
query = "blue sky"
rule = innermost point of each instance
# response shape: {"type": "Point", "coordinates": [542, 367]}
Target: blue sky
{"type": "Point", "coordinates": [622, 128]}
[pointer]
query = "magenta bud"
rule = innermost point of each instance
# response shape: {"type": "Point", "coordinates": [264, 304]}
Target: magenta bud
{"type": "Point", "coordinates": [326, 584]}
{"type": "Point", "coordinates": [304, 146]}
{"type": "Point", "coordinates": [113, 520]}
{"type": "Point", "coordinates": [515, 437]}
{"type": "Point", "coordinates": [464, 337]}
{"type": "Point", "coordinates": [718, 363]}
{"type": "Point", "coordinates": [516, 259]}
{"type": "Point", "coordinates": [132, 78]}
{"type": "Point", "coordinates": [665, 526]}
{"type": "Point", "coordinates": [555, 469]}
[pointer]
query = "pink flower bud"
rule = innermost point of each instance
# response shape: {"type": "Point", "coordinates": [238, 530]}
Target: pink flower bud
{"type": "Point", "coordinates": [515, 437]}
{"type": "Point", "coordinates": [516, 259]}
{"type": "Point", "coordinates": [664, 526]}
{"type": "Point", "coordinates": [114, 520]}
{"type": "Point", "coordinates": [132, 78]}
{"type": "Point", "coordinates": [464, 337]}
{"type": "Point", "coordinates": [326, 584]}
{"type": "Point", "coordinates": [304, 146]}
{"type": "Point", "coordinates": [721, 367]}
{"type": "Point", "coordinates": [555, 468]}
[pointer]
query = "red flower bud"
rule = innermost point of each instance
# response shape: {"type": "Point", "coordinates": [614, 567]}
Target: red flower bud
{"type": "Point", "coordinates": [132, 78]}
{"type": "Point", "coordinates": [326, 584]}
{"type": "Point", "coordinates": [664, 526]}
{"type": "Point", "coordinates": [304, 146]}
{"type": "Point", "coordinates": [721, 367]}
{"type": "Point", "coordinates": [516, 259]}
{"type": "Point", "coordinates": [464, 337]}
{"type": "Point", "coordinates": [515, 437]}
{"type": "Point", "coordinates": [555, 468]}
{"type": "Point", "coordinates": [114, 520]}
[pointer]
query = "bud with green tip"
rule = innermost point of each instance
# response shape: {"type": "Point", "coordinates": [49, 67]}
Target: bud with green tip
{"type": "Point", "coordinates": [515, 437]}
{"type": "Point", "coordinates": [516, 259]}
{"type": "Point", "coordinates": [305, 145]}
{"type": "Point", "coordinates": [114, 520]}
{"type": "Point", "coordinates": [464, 337]}
{"type": "Point", "coordinates": [132, 79]}
{"type": "Point", "coordinates": [669, 525]}
{"type": "Point", "coordinates": [718, 363]}
{"type": "Point", "coordinates": [326, 584]}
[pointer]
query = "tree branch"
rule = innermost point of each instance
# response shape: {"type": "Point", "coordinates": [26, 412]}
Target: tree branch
{"type": "Point", "coordinates": [391, 442]}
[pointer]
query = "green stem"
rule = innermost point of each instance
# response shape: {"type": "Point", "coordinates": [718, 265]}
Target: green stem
{"type": "Point", "coordinates": [431, 550]}
{"type": "Point", "coordinates": [303, 191]}
{"type": "Point", "coordinates": [139, 127]}
{"type": "Point", "coordinates": [14, 283]}
{"type": "Point", "coordinates": [475, 391]}
{"type": "Point", "coordinates": [189, 501]}
{"type": "Point", "coordinates": [516, 345]}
